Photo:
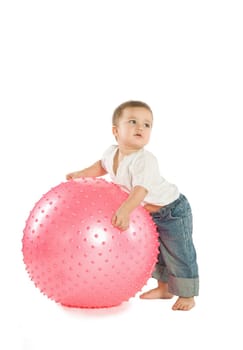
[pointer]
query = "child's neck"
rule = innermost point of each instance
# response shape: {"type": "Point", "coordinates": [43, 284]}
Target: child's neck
{"type": "Point", "coordinates": [126, 151]}
{"type": "Point", "coordinates": [120, 154]}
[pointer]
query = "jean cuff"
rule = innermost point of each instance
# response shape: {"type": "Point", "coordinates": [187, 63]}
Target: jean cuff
{"type": "Point", "coordinates": [183, 287]}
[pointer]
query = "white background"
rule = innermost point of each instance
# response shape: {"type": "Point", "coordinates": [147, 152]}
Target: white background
{"type": "Point", "coordinates": [64, 67]}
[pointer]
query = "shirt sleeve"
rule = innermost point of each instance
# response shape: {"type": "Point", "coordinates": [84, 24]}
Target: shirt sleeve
{"type": "Point", "coordinates": [145, 171]}
{"type": "Point", "coordinates": [106, 159]}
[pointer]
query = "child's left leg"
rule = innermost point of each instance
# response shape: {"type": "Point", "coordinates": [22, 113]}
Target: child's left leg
{"type": "Point", "coordinates": [177, 253]}
{"type": "Point", "coordinates": [160, 292]}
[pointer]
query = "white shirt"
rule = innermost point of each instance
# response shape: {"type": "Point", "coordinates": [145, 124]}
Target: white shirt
{"type": "Point", "coordinates": [140, 169]}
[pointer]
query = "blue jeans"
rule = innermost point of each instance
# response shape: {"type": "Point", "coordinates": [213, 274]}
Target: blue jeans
{"type": "Point", "coordinates": [177, 261]}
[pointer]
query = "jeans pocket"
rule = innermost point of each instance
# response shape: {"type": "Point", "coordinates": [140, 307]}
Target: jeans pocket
{"type": "Point", "coordinates": [162, 215]}
{"type": "Point", "coordinates": [181, 210]}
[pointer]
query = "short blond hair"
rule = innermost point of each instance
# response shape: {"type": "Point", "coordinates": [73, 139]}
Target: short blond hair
{"type": "Point", "coordinates": [128, 104]}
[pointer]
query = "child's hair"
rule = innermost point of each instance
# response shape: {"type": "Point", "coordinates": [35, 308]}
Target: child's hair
{"type": "Point", "coordinates": [118, 111]}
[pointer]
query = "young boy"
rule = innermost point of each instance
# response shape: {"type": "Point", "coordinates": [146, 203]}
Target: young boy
{"type": "Point", "coordinates": [136, 171]}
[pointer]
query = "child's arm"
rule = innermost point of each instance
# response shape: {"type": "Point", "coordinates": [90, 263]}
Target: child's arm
{"type": "Point", "coordinates": [121, 217]}
{"type": "Point", "coordinates": [94, 170]}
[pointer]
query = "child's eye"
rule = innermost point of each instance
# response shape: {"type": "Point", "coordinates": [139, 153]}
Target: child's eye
{"type": "Point", "coordinates": [132, 121]}
{"type": "Point", "coordinates": [147, 125]}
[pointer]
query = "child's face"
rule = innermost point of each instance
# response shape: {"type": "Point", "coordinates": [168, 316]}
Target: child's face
{"type": "Point", "coordinates": [134, 128]}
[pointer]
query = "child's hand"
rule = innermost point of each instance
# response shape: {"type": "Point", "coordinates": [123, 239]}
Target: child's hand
{"type": "Point", "coordinates": [121, 220]}
{"type": "Point", "coordinates": [72, 176]}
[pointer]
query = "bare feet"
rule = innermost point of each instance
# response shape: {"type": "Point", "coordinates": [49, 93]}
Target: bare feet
{"type": "Point", "coordinates": [160, 292]}
{"type": "Point", "coordinates": [184, 304]}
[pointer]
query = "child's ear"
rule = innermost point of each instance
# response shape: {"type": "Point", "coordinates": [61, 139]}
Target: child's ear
{"type": "Point", "coordinates": [114, 130]}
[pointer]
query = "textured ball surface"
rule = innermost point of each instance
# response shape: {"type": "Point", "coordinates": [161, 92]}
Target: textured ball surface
{"type": "Point", "coordinates": [76, 257]}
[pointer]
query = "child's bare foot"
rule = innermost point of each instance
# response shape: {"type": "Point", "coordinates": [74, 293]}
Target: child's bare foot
{"type": "Point", "coordinates": [184, 304]}
{"type": "Point", "coordinates": [160, 292]}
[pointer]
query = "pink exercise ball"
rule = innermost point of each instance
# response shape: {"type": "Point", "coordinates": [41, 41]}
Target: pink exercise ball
{"type": "Point", "coordinates": [76, 257]}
